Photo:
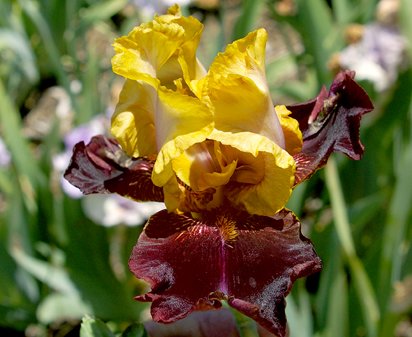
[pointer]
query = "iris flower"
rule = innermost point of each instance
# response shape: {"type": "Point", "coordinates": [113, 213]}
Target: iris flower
{"type": "Point", "coordinates": [224, 159]}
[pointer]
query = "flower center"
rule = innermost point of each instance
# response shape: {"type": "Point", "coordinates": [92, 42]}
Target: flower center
{"type": "Point", "coordinates": [208, 170]}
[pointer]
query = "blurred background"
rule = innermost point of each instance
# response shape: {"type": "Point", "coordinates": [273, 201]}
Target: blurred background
{"type": "Point", "coordinates": [63, 255]}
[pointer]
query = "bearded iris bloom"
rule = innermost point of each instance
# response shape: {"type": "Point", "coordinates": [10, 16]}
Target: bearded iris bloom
{"type": "Point", "coordinates": [224, 159]}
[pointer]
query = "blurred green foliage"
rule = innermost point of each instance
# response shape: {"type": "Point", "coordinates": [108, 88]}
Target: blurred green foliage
{"type": "Point", "coordinates": [56, 265]}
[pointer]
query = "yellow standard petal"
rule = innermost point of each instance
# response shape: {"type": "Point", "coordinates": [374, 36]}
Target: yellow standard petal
{"type": "Point", "coordinates": [133, 122]}
{"type": "Point", "coordinates": [181, 121]}
{"type": "Point", "coordinates": [156, 51]}
{"type": "Point", "coordinates": [149, 121]}
{"type": "Point", "coordinates": [236, 88]}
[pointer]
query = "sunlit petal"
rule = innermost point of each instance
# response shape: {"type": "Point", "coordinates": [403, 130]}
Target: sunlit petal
{"type": "Point", "coordinates": [265, 172]}
{"type": "Point", "coordinates": [148, 121]}
{"type": "Point", "coordinates": [133, 120]}
{"type": "Point", "coordinates": [236, 87]}
{"type": "Point", "coordinates": [181, 121]}
{"type": "Point", "coordinates": [173, 194]}
{"type": "Point", "coordinates": [160, 51]}
{"type": "Point", "coordinates": [200, 168]}
{"type": "Point", "coordinates": [290, 127]}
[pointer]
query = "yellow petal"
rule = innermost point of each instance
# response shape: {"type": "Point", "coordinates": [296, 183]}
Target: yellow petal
{"type": "Point", "coordinates": [156, 51]}
{"type": "Point", "coordinates": [181, 121]}
{"type": "Point", "coordinates": [201, 166]}
{"type": "Point", "coordinates": [133, 120]}
{"type": "Point", "coordinates": [172, 194]}
{"type": "Point", "coordinates": [147, 121]}
{"type": "Point", "coordinates": [236, 87]}
{"type": "Point", "coordinates": [290, 126]}
{"type": "Point", "coordinates": [245, 57]}
{"type": "Point", "coordinates": [249, 170]}
{"type": "Point", "coordinates": [264, 176]}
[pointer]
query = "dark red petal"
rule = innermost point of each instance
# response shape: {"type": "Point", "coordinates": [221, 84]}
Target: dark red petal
{"type": "Point", "coordinates": [252, 261]}
{"type": "Point", "coordinates": [329, 123]}
{"type": "Point", "coordinates": [179, 257]}
{"type": "Point", "coordinates": [265, 262]}
{"type": "Point", "coordinates": [102, 167]}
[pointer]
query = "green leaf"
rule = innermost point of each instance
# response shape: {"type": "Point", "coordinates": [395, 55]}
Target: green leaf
{"type": "Point", "coordinates": [250, 13]}
{"type": "Point", "coordinates": [59, 307]}
{"type": "Point", "coordinates": [367, 9]}
{"type": "Point", "coordinates": [298, 312]}
{"type": "Point", "coordinates": [89, 266]}
{"type": "Point", "coordinates": [350, 11]}
{"type": "Point", "coordinates": [337, 321]}
{"type": "Point", "coordinates": [91, 103]}
{"type": "Point", "coordinates": [55, 277]}
{"type": "Point", "coordinates": [298, 91]}
{"type": "Point", "coordinates": [362, 282]}
{"type": "Point", "coordinates": [332, 259]}
{"type": "Point", "coordinates": [92, 327]}
{"type": "Point", "coordinates": [29, 172]}
{"type": "Point", "coordinates": [135, 330]}
{"type": "Point", "coordinates": [280, 68]}
{"type": "Point", "coordinates": [32, 10]}
{"type": "Point", "coordinates": [405, 15]}
{"type": "Point", "coordinates": [319, 35]}
{"type": "Point", "coordinates": [395, 231]}
{"type": "Point", "coordinates": [102, 10]}
{"type": "Point", "coordinates": [22, 52]}
{"type": "Point", "coordinates": [343, 10]}
{"type": "Point", "coordinates": [16, 317]}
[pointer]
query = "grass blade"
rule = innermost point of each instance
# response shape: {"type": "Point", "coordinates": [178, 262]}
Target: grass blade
{"type": "Point", "coordinates": [362, 284]}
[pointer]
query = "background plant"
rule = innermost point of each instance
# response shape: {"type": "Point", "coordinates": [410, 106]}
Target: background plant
{"type": "Point", "coordinates": [57, 265]}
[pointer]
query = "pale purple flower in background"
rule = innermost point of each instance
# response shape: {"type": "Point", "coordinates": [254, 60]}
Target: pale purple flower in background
{"type": "Point", "coordinates": [105, 209]}
{"type": "Point", "coordinates": [148, 8]}
{"type": "Point", "coordinates": [377, 56]}
{"type": "Point", "coordinates": [5, 157]}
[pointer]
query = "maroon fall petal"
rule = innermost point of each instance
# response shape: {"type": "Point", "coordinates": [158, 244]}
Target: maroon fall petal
{"type": "Point", "coordinates": [251, 261]}
{"type": "Point", "coordinates": [330, 123]}
{"type": "Point", "coordinates": [102, 167]}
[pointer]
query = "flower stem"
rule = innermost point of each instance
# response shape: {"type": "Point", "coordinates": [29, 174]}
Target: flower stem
{"type": "Point", "coordinates": [363, 287]}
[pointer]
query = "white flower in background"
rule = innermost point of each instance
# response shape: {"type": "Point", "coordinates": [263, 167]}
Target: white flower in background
{"type": "Point", "coordinates": [5, 157]}
{"type": "Point", "coordinates": [112, 209]}
{"type": "Point", "coordinates": [377, 56]}
{"type": "Point", "coordinates": [104, 209]}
